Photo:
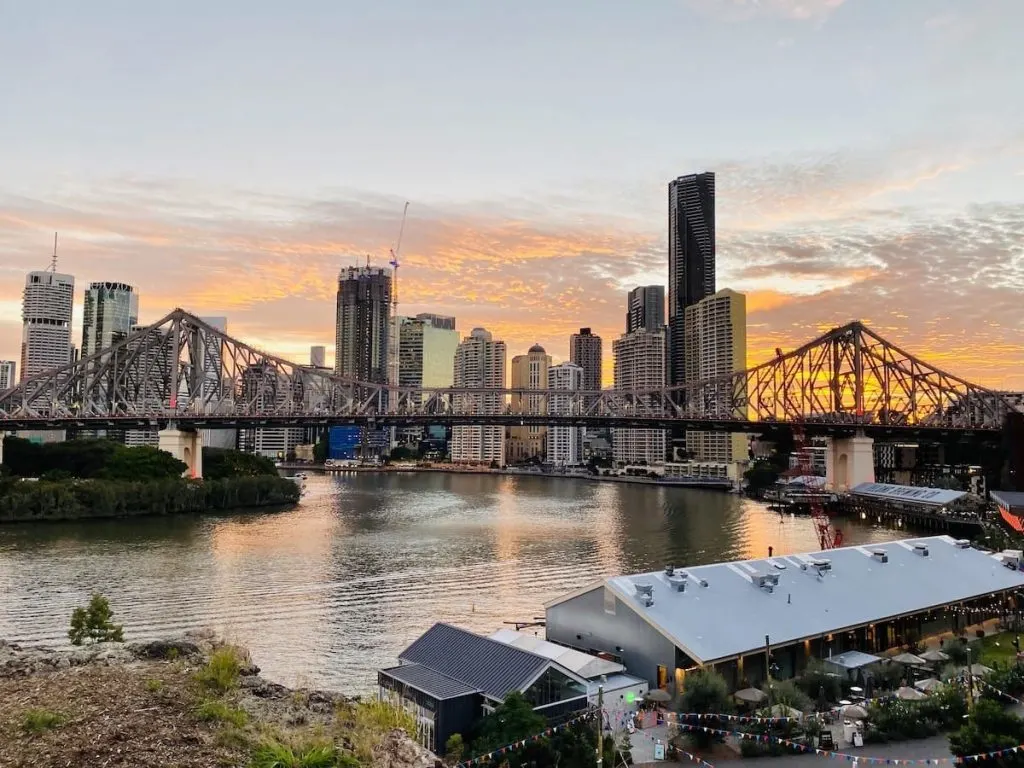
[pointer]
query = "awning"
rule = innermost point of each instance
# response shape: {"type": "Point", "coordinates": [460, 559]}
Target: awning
{"type": "Point", "coordinates": [852, 660]}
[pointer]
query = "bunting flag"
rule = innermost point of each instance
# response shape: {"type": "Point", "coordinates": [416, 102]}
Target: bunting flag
{"type": "Point", "coordinates": [479, 759]}
{"type": "Point", "coordinates": [1004, 694]}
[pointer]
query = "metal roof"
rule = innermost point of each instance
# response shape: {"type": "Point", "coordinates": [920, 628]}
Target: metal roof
{"type": "Point", "coordinates": [1012, 500]}
{"type": "Point", "coordinates": [583, 664]}
{"type": "Point", "coordinates": [429, 681]}
{"type": "Point", "coordinates": [491, 667]}
{"type": "Point", "coordinates": [732, 615]}
{"type": "Point", "coordinates": [936, 497]}
{"type": "Point", "coordinates": [853, 660]}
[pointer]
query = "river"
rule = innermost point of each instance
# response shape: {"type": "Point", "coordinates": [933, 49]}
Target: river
{"type": "Point", "coordinates": [328, 592]}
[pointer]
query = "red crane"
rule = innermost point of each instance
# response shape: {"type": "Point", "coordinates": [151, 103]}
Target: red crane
{"type": "Point", "coordinates": [829, 537]}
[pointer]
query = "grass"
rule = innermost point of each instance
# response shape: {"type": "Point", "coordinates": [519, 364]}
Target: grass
{"type": "Point", "coordinates": [994, 649]}
{"type": "Point", "coordinates": [275, 754]}
{"type": "Point", "coordinates": [221, 672]}
{"type": "Point", "coordinates": [39, 720]}
{"type": "Point", "coordinates": [219, 712]}
{"type": "Point", "coordinates": [366, 722]}
{"type": "Point", "coordinates": [154, 686]}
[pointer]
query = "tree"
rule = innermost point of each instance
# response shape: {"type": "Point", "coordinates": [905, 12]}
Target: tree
{"type": "Point", "coordinates": [94, 623]}
{"type": "Point", "coordinates": [221, 463]}
{"type": "Point", "coordinates": [512, 720]}
{"type": "Point", "coordinates": [454, 749]}
{"type": "Point", "coordinates": [142, 463]}
{"type": "Point", "coordinates": [402, 453]}
{"type": "Point", "coordinates": [704, 691]}
{"type": "Point", "coordinates": [989, 728]}
{"type": "Point", "coordinates": [760, 476]}
{"type": "Point", "coordinates": [320, 450]}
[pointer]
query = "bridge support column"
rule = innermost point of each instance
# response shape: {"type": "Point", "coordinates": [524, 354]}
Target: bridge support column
{"type": "Point", "coordinates": [185, 446]}
{"type": "Point", "coordinates": [849, 461]}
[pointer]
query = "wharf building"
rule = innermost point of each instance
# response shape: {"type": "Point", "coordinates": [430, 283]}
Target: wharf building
{"type": "Point", "coordinates": [479, 364]}
{"type": "Point", "coordinates": [842, 606]}
{"type": "Point", "coordinates": [564, 445]}
{"type": "Point", "coordinates": [529, 371]}
{"type": "Point", "coordinates": [716, 345]}
{"type": "Point", "coordinates": [46, 322]}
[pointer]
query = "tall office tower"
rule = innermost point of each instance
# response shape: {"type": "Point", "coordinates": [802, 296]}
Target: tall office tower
{"type": "Point", "coordinates": [716, 345]}
{"type": "Point", "coordinates": [318, 357]}
{"type": "Point", "coordinates": [639, 364]}
{"type": "Point", "coordinates": [691, 258]}
{"type": "Point", "coordinates": [46, 321]}
{"type": "Point", "coordinates": [7, 370]}
{"type": "Point", "coordinates": [529, 371]}
{"type": "Point", "coordinates": [564, 444]}
{"type": "Point", "coordinates": [479, 363]}
{"type": "Point", "coordinates": [585, 351]}
{"type": "Point", "coordinates": [362, 324]}
{"type": "Point", "coordinates": [646, 308]}
{"type": "Point", "coordinates": [110, 311]}
{"type": "Point", "coordinates": [426, 358]}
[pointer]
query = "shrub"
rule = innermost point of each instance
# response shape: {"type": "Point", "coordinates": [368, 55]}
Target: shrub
{"type": "Point", "coordinates": [704, 690]}
{"type": "Point", "coordinates": [988, 728]}
{"type": "Point", "coordinates": [815, 681]}
{"type": "Point", "coordinates": [219, 712]}
{"type": "Point", "coordinates": [275, 754]}
{"type": "Point", "coordinates": [221, 672]}
{"type": "Point", "coordinates": [154, 686]}
{"type": "Point", "coordinates": [39, 720]}
{"type": "Point", "coordinates": [787, 693]}
{"type": "Point", "coordinates": [454, 748]}
{"type": "Point", "coordinates": [94, 623]}
{"type": "Point", "coordinates": [365, 723]}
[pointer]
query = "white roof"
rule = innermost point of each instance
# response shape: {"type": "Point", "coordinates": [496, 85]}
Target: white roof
{"type": "Point", "coordinates": [930, 496]}
{"type": "Point", "coordinates": [853, 660]}
{"type": "Point", "coordinates": [731, 615]}
{"type": "Point", "coordinates": [583, 664]}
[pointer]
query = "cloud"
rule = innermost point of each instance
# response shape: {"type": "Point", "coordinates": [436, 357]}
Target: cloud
{"type": "Point", "coordinates": [743, 10]}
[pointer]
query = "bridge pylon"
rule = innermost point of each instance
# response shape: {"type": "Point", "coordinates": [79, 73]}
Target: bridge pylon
{"type": "Point", "coordinates": [849, 461]}
{"type": "Point", "coordinates": [186, 446]}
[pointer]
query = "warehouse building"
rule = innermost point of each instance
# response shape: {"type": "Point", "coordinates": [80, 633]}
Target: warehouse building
{"type": "Point", "coordinates": [743, 616]}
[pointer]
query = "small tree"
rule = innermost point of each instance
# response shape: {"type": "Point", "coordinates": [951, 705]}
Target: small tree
{"type": "Point", "coordinates": [704, 691]}
{"type": "Point", "coordinates": [454, 748]}
{"type": "Point", "coordinates": [94, 623]}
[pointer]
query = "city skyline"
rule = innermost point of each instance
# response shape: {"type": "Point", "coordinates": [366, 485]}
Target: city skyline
{"type": "Point", "coordinates": [847, 185]}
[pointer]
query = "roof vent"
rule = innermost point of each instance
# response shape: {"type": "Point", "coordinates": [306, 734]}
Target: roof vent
{"type": "Point", "coordinates": [962, 544]}
{"type": "Point", "coordinates": [821, 565]}
{"type": "Point", "coordinates": [921, 549]}
{"type": "Point", "coordinates": [669, 570]}
{"type": "Point", "coordinates": [677, 582]}
{"type": "Point", "coordinates": [645, 593]}
{"type": "Point", "coordinates": [765, 581]}
{"type": "Point", "coordinates": [880, 555]}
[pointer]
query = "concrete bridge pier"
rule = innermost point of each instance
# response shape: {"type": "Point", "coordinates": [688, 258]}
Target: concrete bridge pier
{"type": "Point", "coordinates": [186, 446]}
{"type": "Point", "coordinates": [849, 461]}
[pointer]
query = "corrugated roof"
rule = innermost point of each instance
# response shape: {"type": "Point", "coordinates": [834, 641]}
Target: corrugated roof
{"type": "Point", "coordinates": [853, 660]}
{"type": "Point", "coordinates": [936, 497]}
{"type": "Point", "coordinates": [430, 681]}
{"type": "Point", "coordinates": [494, 668]}
{"type": "Point", "coordinates": [1013, 500]}
{"type": "Point", "coordinates": [731, 615]}
{"type": "Point", "coordinates": [583, 664]}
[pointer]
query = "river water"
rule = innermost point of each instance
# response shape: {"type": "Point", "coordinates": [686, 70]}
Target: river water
{"type": "Point", "coordinates": [328, 592]}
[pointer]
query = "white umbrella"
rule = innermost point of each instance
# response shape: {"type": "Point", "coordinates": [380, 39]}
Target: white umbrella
{"type": "Point", "coordinates": [928, 685]}
{"type": "Point", "coordinates": [910, 660]}
{"type": "Point", "coordinates": [977, 670]}
{"type": "Point", "coordinates": [751, 695]}
{"type": "Point", "coordinates": [854, 712]}
{"type": "Point", "coordinates": [935, 655]}
{"type": "Point", "coordinates": [781, 710]}
{"type": "Point", "coordinates": [910, 694]}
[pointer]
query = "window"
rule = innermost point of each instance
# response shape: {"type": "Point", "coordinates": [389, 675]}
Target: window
{"type": "Point", "coordinates": [551, 687]}
{"type": "Point", "coordinates": [609, 601]}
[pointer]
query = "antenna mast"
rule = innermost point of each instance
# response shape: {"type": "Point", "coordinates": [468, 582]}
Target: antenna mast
{"type": "Point", "coordinates": [53, 261]}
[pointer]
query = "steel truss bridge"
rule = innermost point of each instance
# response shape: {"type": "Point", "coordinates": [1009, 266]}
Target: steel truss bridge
{"type": "Point", "coordinates": [183, 371]}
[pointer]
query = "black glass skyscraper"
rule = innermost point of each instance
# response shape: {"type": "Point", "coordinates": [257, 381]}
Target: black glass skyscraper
{"type": "Point", "coordinates": [691, 258]}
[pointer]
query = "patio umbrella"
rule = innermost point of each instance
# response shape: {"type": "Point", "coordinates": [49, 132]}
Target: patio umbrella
{"type": "Point", "coordinates": [854, 712]}
{"type": "Point", "coordinates": [658, 695]}
{"type": "Point", "coordinates": [928, 685]}
{"type": "Point", "coordinates": [751, 695]}
{"type": "Point", "coordinates": [781, 710]}
{"type": "Point", "coordinates": [977, 670]}
{"type": "Point", "coordinates": [910, 694]}
{"type": "Point", "coordinates": [935, 656]}
{"type": "Point", "coordinates": [910, 660]}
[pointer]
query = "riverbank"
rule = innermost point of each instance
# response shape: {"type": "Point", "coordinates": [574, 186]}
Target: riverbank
{"type": "Point", "coordinates": [192, 702]}
{"type": "Point", "coordinates": [69, 499]}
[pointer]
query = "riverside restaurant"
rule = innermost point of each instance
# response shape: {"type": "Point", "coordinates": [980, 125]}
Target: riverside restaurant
{"type": "Point", "coordinates": [742, 617]}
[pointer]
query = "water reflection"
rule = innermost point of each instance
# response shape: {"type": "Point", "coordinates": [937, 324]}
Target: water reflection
{"type": "Point", "coordinates": [329, 591]}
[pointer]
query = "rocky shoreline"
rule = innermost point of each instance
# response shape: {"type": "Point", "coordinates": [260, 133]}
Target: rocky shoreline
{"type": "Point", "coordinates": [139, 704]}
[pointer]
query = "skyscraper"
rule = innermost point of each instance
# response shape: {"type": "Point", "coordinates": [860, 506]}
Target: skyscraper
{"type": "Point", "coordinates": [585, 351]}
{"type": "Point", "coordinates": [646, 308]}
{"type": "Point", "coordinates": [529, 371]}
{"type": "Point", "coordinates": [7, 370]}
{"type": "Point", "coordinates": [46, 321]}
{"type": "Point", "coordinates": [215, 381]}
{"type": "Point", "coordinates": [716, 345]}
{"type": "Point", "coordinates": [110, 310]}
{"type": "Point", "coordinates": [479, 363]}
{"type": "Point", "coordinates": [362, 324]}
{"type": "Point", "coordinates": [691, 258]}
{"type": "Point", "coordinates": [564, 444]}
{"type": "Point", "coordinates": [426, 358]}
{"type": "Point", "coordinates": [639, 364]}
{"type": "Point", "coordinates": [318, 357]}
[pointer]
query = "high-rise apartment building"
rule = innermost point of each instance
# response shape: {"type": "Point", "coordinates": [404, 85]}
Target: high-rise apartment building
{"type": "Point", "coordinates": [110, 311]}
{"type": "Point", "coordinates": [426, 358]}
{"type": "Point", "coordinates": [716, 345]}
{"type": "Point", "coordinates": [8, 368]}
{"type": "Point", "coordinates": [362, 324]}
{"type": "Point", "coordinates": [691, 258]}
{"type": "Point", "coordinates": [318, 357]}
{"type": "Point", "coordinates": [639, 364]}
{"type": "Point", "coordinates": [479, 363]}
{"type": "Point", "coordinates": [585, 351]}
{"type": "Point", "coordinates": [646, 308]}
{"type": "Point", "coordinates": [564, 445]}
{"type": "Point", "coordinates": [46, 322]}
{"type": "Point", "coordinates": [262, 389]}
{"type": "Point", "coordinates": [529, 371]}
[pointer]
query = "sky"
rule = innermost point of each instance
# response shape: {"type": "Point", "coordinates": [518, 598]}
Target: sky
{"type": "Point", "coordinates": [230, 157]}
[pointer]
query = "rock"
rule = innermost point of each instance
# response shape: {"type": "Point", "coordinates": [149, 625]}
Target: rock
{"type": "Point", "coordinates": [164, 649]}
{"type": "Point", "coordinates": [264, 689]}
{"type": "Point", "coordinates": [397, 750]}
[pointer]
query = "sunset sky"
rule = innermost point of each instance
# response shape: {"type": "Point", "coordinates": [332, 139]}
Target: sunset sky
{"type": "Point", "coordinates": [229, 157]}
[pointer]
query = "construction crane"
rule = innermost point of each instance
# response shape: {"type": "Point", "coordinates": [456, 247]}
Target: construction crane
{"type": "Point", "coordinates": [829, 537]}
{"type": "Point", "coordinates": [394, 260]}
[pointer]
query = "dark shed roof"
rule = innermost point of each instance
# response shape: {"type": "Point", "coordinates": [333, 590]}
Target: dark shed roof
{"type": "Point", "coordinates": [429, 681]}
{"type": "Point", "coordinates": [486, 665]}
{"type": "Point", "coordinates": [1012, 500]}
